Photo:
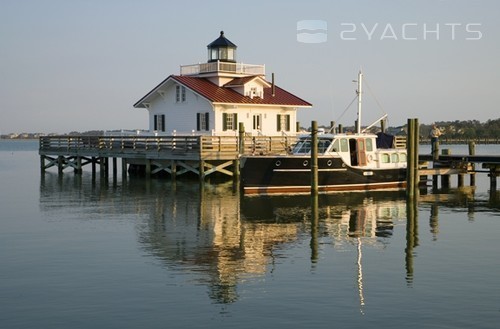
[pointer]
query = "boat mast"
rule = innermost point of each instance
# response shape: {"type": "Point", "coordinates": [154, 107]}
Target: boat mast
{"type": "Point", "coordinates": [359, 92]}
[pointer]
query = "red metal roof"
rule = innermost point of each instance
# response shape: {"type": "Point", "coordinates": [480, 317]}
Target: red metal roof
{"type": "Point", "coordinates": [217, 94]}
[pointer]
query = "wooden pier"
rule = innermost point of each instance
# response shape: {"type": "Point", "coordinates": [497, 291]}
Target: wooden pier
{"type": "Point", "coordinates": [461, 165]}
{"type": "Point", "coordinates": [175, 155]}
{"type": "Point", "coordinates": [207, 155]}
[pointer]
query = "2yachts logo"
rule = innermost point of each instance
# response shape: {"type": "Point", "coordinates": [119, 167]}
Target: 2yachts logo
{"type": "Point", "coordinates": [312, 31]}
{"type": "Point", "coordinates": [315, 31]}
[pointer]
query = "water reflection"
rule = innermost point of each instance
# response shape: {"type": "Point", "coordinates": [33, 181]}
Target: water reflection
{"type": "Point", "coordinates": [222, 239]}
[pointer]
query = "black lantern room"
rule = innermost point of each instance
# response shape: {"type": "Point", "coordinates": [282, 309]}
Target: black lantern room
{"type": "Point", "coordinates": [222, 50]}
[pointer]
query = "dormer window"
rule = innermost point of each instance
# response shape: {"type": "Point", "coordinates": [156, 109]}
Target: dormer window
{"type": "Point", "coordinates": [180, 94]}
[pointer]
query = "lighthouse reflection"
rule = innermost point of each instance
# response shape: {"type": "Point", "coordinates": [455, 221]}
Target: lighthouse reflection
{"type": "Point", "coordinates": [225, 239]}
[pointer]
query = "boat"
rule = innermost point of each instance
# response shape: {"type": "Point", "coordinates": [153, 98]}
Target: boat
{"type": "Point", "coordinates": [358, 161]}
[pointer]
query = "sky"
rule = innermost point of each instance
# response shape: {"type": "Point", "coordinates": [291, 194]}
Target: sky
{"type": "Point", "coordinates": [79, 65]}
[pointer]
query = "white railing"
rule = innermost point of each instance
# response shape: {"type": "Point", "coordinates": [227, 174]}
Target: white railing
{"type": "Point", "coordinates": [238, 68]}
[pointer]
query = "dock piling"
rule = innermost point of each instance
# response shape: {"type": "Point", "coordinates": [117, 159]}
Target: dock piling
{"type": "Point", "coordinates": [472, 151]}
{"type": "Point", "coordinates": [412, 175]}
{"type": "Point", "coordinates": [314, 158]}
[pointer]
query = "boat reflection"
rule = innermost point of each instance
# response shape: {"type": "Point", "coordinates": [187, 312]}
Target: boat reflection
{"type": "Point", "coordinates": [221, 238]}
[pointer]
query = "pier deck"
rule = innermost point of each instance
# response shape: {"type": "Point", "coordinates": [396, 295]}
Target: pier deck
{"type": "Point", "coordinates": [205, 155]}
{"type": "Point", "coordinates": [176, 155]}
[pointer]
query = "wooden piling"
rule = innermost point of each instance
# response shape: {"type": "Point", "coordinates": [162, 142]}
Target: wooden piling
{"type": "Point", "coordinates": [60, 164]}
{"type": "Point", "coordinates": [412, 159]}
{"type": "Point", "coordinates": [241, 150]}
{"type": "Point", "coordinates": [115, 169]}
{"type": "Point", "coordinates": [435, 149]}
{"type": "Point", "coordinates": [42, 163]}
{"type": "Point", "coordinates": [493, 178]}
{"type": "Point", "coordinates": [78, 170]}
{"type": "Point", "coordinates": [241, 138]}
{"type": "Point", "coordinates": [416, 141]}
{"type": "Point", "coordinates": [314, 158]}
{"type": "Point", "coordinates": [472, 151]}
{"type": "Point", "coordinates": [148, 168]}
{"type": "Point", "coordinates": [445, 179]}
{"type": "Point", "coordinates": [435, 159]}
{"type": "Point", "coordinates": [124, 168]}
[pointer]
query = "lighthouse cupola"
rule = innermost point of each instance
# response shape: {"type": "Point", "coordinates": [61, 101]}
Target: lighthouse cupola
{"type": "Point", "coordinates": [221, 49]}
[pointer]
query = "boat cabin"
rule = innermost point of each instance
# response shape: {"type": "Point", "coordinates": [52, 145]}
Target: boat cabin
{"type": "Point", "coordinates": [358, 150]}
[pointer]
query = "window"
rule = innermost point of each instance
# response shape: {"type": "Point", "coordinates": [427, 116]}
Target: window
{"type": "Point", "coordinates": [257, 119]}
{"type": "Point", "coordinates": [384, 157]}
{"type": "Point", "coordinates": [202, 120]}
{"type": "Point", "coordinates": [159, 122]}
{"type": "Point", "coordinates": [229, 121]}
{"type": "Point", "coordinates": [323, 145]}
{"type": "Point", "coordinates": [394, 158]}
{"type": "Point", "coordinates": [369, 145]}
{"type": "Point", "coordinates": [283, 122]}
{"type": "Point", "coordinates": [402, 157]}
{"type": "Point", "coordinates": [303, 146]}
{"type": "Point", "coordinates": [336, 147]}
{"type": "Point", "coordinates": [344, 145]}
{"type": "Point", "coordinates": [180, 94]}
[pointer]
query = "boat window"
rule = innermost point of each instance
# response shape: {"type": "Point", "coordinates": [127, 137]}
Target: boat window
{"type": "Point", "coordinates": [336, 146]}
{"type": "Point", "coordinates": [369, 145]}
{"type": "Point", "coordinates": [384, 157]}
{"type": "Point", "coordinates": [302, 146]}
{"type": "Point", "coordinates": [344, 146]}
{"type": "Point", "coordinates": [402, 157]}
{"type": "Point", "coordinates": [323, 145]}
{"type": "Point", "coordinates": [394, 158]}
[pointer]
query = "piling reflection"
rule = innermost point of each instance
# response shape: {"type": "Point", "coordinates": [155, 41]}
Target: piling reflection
{"type": "Point", "coordinates": [221, 238]}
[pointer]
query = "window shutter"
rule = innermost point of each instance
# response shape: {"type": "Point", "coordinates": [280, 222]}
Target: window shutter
{"type": "Point", "coordinates": [198, 121]}
{"type": "Point", "coordinates": [278, 122]}
{"type": "Point", "coordinates": [224, 121]}
{"type": "Point", "coordinates": [206, 121]}
{"type": "Point", "coordinates": [235, 121]}
{"type": "Point", "coordinates": [155, 125]}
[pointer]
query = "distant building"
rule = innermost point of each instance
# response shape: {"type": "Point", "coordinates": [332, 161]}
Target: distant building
{"type": "Point", "coordinates": [213, 98]}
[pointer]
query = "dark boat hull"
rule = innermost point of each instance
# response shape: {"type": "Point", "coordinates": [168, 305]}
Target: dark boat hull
{"type": "Point", "coordinates": [292, 174]}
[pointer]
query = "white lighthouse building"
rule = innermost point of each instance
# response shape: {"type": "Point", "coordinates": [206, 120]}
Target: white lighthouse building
{"type": "Point", "coordinates": [212, 98]}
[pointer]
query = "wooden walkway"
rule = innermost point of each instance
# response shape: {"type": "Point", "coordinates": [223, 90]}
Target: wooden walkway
{"type": "Point", "coordinates": [176, 155]}
{"type": "Point", "coordinates": [206, 155]}
{"type": "Point", "coordinates": [461, 165]}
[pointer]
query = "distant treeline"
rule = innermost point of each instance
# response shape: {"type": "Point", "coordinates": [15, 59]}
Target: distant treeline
{"type": "Point", "coordinates": [471, 129]}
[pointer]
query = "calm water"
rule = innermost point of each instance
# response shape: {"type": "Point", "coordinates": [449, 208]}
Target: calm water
{"type": "Point", "coordinates": [82, 253]}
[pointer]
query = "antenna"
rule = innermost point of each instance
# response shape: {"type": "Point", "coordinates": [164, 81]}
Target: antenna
{"type": "Point", "coordinates": [359, 91]}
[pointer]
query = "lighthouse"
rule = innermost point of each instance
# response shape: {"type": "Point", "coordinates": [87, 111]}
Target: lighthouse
{"type": "Point", "coordinates": [214, 97]}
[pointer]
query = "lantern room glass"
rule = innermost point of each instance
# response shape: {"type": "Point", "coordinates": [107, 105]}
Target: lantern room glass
{"type": "Point", "coordinates": [222, 54]}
